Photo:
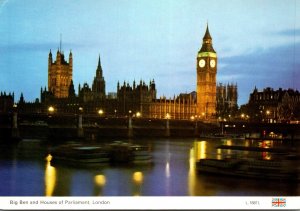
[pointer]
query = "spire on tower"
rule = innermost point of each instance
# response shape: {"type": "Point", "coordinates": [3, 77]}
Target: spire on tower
{"type": "Point", "coordinates": [207, 34]}
{"type": "Point", "coordinates": [60, 43]}
{"type": "Point", "coordinates": [99, 68]}
{"type": "Point", "coordinates": [99, 62]}
{"type": "Point", "coordinates": [207, 42]}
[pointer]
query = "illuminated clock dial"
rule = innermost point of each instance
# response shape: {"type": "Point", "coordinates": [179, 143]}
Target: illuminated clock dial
{"type": "Point", "coordinates": [201, 63]}
{"type": "Point", "coordinates": [212, 63]}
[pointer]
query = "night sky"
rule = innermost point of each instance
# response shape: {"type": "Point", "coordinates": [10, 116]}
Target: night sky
{"type": "Point", "coordinates": [257, 42]}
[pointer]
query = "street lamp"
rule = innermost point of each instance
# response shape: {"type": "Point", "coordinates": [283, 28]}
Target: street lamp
{"type": "Point", "coordinates": [203, 114]}
{"type": "Point", "coordinates": [267, 115]}
{"type": "Point", "coordinates": [51, 109]}
{"type": "Point", "coordinates": [100, 112]}
{"type": "Point", "coordinates": [167, 116]}
{"type": "Point", "coordinates": [138, 114]}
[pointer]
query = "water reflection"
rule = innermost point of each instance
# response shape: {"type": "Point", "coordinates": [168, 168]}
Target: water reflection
{"type": "Point", "coordinates": [137, 178]}
{"type": "Point", "coordinates": [50, 177]}
{"type": "Point", "coordinates": [99, 181]}
{"type": "Point", "coordinates": [266, 144]}
{"type": "Point", "coordinates": [63, 181]}
{"type": "Point", "coordinates": [173, 173]}
{"type": "Point", "coordinates": [192, 172]}
{"type": "Point", "coordinates": [200, 148]}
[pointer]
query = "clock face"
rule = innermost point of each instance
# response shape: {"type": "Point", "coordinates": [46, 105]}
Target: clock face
{"type": "Point", "coordinates": [201, 63]}
{"type": "Point", "coordinates": [212, 63]}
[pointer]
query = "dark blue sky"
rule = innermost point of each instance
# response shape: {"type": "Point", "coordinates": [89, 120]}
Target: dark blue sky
{"type": "Point", "coordinates": [257, 42]}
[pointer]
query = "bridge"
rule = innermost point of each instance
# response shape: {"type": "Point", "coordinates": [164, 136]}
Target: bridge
{"type": "Point", "coordinates": [64, 126]}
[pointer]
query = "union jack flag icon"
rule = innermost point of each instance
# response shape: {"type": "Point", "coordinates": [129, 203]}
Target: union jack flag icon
{"type": "Point", "coordinates": [278, 202]}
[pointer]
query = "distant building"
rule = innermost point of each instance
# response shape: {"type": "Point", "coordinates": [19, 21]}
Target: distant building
{"type": "Point", "coordinates": [135, 98]}
{"type": "Point", "coordinates": [60, 74]}
{"type": "Point", "coordinates": [141, 97]}
{"type": "Point", "coordinates": [180, 107]}
{"type": "Point", "coordinates": [274, 106]}
{"type": "Point", "coordinates": [227, 96]}
{"type": "Point", "coordinates": [6, 102]}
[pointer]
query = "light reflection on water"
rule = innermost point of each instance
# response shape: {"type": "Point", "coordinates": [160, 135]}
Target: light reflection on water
{"type": "Point", "coordinates": [50, 177]}
{"type": "Point", "coordinates": [28, 171]}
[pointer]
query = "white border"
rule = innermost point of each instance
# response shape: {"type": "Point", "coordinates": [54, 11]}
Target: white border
{"type": "Point", "coordinates": [135, 203]}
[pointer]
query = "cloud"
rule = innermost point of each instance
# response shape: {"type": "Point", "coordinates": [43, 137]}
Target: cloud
{"type": "Point", "coordinates": [273, 67]}
{"type": "Point", "coordinates": [289, 32]}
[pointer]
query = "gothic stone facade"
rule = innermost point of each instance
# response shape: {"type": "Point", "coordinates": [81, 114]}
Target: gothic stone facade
{"type": "Point", "coordinates": [274, 105]}
{"type": "Point", "coordinates": [138, 97]}
{"type": "Point", "coordinates": [206, 78]}
{"type": "Point", "coordinates": [227, 96]}
{"type": "Point", "coordinates": [60, 74]}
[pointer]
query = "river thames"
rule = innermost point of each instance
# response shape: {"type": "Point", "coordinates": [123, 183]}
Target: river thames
{"type": "Point", "coordinates": [26, 170]}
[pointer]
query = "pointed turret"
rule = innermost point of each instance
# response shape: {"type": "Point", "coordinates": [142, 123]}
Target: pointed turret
{"type": "Point", "coordinates": [207, 42]}
{"type": "Point", "coordinates": [98, 86]}
{"type": "Point", "coordinates": [71, 58]}
{"type": "Point", "coordinates": [134, 86]}
{"type": "Point", "coordinates": [99, 61]}
{"type": "Point", "coordinates": [207, 34]}
{"type": "Point", "coordinates": [50, 59]}
{"type": "Point", "coordinates": [99, 68]}
{"type": "Point", "coordinates": [58, 57]}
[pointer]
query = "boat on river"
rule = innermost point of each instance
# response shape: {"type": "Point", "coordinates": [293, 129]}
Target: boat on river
{"type": "Point", "coordinates": [224, 136]}
{"type": "Point", "coordinates": [80, 155]}
{"type": "Point", "coordinates": [140, 154]}
{"type": "Point", "coordinates": [123, 152]}
{"type": "Point", "coordinates": [284, 169]}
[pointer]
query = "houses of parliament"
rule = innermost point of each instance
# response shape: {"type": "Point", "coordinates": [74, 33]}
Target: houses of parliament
{"type": "Point", "coordinates": [140, 97]}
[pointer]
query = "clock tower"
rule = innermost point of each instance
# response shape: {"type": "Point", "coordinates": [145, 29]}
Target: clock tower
{"type": "Point", "coordinates": [206, 79]}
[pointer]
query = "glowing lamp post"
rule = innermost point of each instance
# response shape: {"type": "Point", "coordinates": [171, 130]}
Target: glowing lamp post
{"type": "Point", "coordinates": [130, 132]}
{"type": "Point", "coordinates": [15, 116]}
{"type": "Point", "coordinates": [100, 112]}
{"type": "Point", "coordinates": [51, 109]}
{"type": "Point", "coordinates": [15, 130]}
{"type": "Point", "coordinates": [80, 128]}
{"type": "Point", "coordinates": [167, 125]}
{"type": "Point", "coordinates": [242, 116]}
{"type": "Point", "coordinates": [267, 115]}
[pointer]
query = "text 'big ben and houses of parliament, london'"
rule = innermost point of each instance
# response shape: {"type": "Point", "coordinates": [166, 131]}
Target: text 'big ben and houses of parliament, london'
{"type": "Point", "coordinates": [140, 97]}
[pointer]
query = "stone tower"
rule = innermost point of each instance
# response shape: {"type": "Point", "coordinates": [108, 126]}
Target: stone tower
{"type": "Point", "coordinates": [206, 78]}
{"type": "Point", "coordinates": [98, 87]}
{"type": "Point", "coordinates": [232, 95]}
{"type": "Point", "coordinates": [60, 74]}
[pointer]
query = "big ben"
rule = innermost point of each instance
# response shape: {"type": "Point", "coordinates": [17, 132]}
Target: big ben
{"type": "Point", "coordinates": [206, 78]}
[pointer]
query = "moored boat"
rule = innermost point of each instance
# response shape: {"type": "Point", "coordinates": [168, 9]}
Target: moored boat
{"type": "Point", "coordinates": [141, 154]}
{"type": "Point", "coordinates": [123, 152]}
{"type": "Point", "coordinates": [284, 169]}
{"type": "Point", "coordinates": [83, 155]}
